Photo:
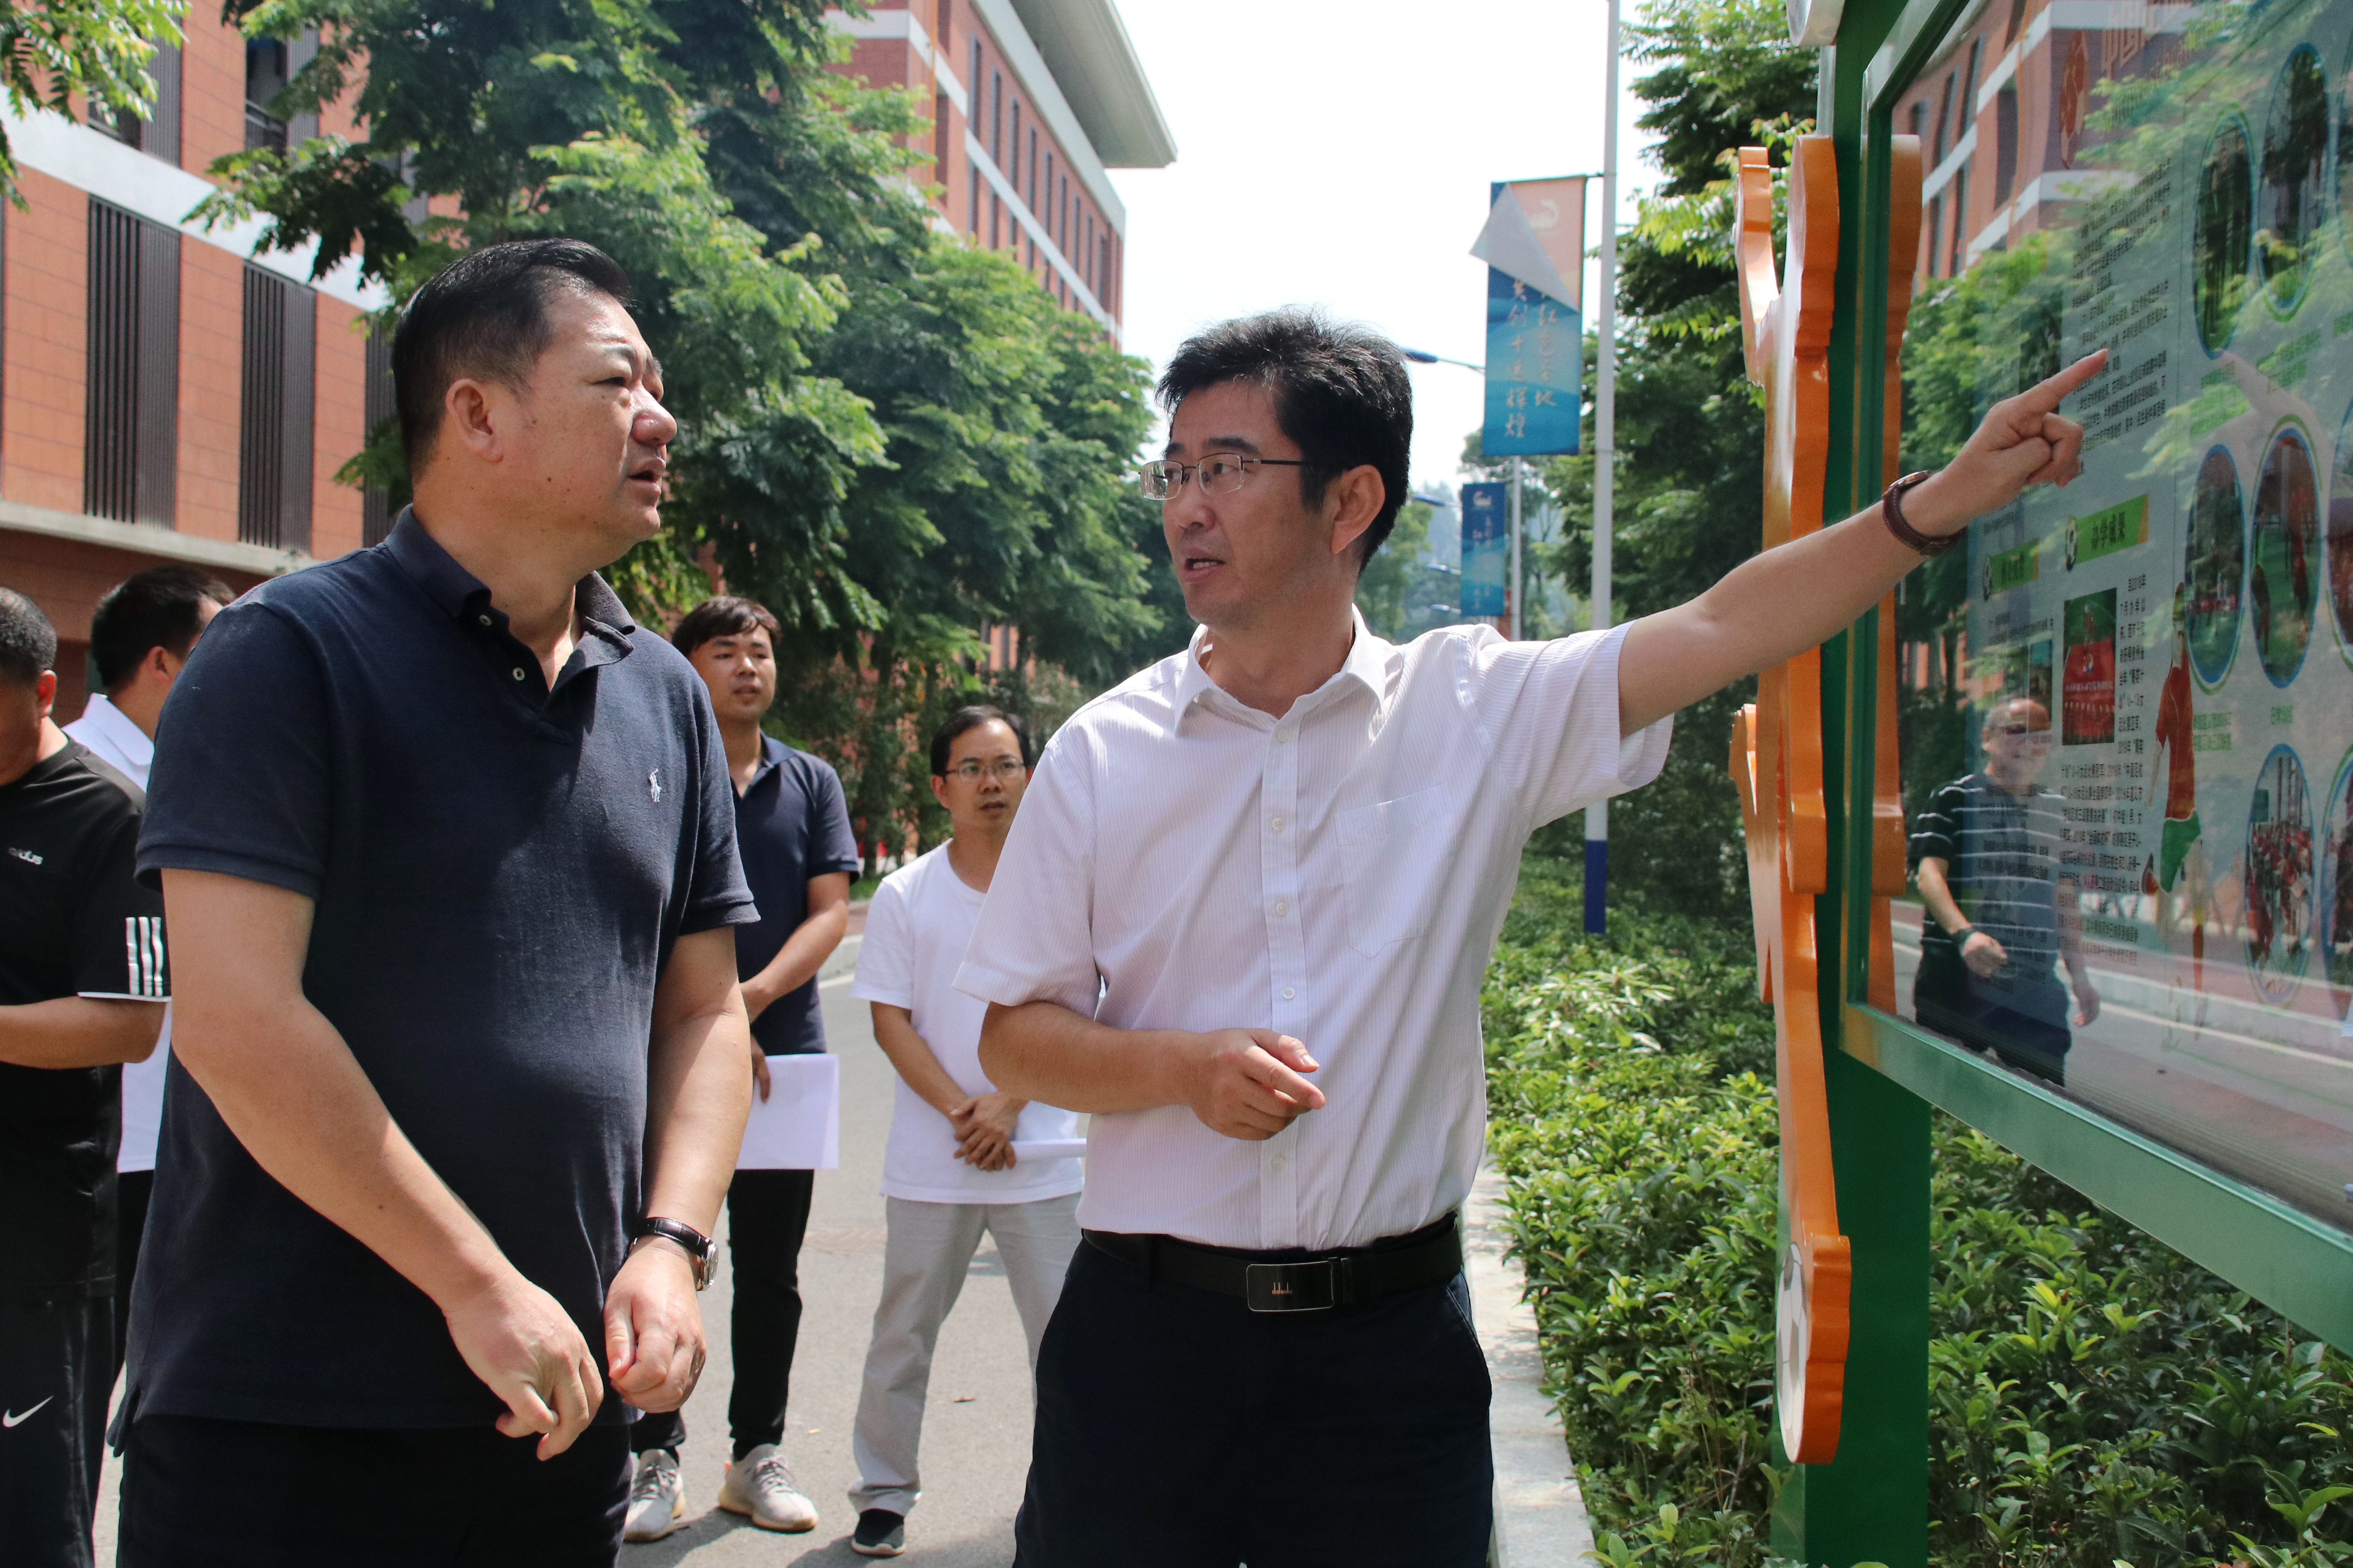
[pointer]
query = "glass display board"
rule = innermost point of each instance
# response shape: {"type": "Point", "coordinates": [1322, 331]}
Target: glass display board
{"type": "Point", "coordinates": [2128, 708]}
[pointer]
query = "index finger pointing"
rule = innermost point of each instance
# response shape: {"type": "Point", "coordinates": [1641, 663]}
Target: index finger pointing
{"type": "Point", "coordinates": [2045, 395]}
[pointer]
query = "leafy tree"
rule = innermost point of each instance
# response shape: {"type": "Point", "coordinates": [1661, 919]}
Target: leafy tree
{"type": "Point", "coordinates": [1690, 429]}
{"type": "Point", "coordinates": [53, 50]}
{"type": "Point", "coordinates": [889, 436]}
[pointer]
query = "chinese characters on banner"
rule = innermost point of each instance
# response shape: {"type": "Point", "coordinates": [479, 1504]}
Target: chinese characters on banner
{"type": "Point", "coordinates": [1486, 548]}
{"type": "Point", "coordinates": [1533, 245]}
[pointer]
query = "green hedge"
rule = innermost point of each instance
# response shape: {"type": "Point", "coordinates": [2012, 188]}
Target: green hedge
{"type": "Point", "coordinates": [2095, 1398]}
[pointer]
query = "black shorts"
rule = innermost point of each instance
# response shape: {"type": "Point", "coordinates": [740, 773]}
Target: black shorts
{"type": "Point", "coordinates": [198, 1492]}
{"type": "Point", "coordinates": [57, 1360]}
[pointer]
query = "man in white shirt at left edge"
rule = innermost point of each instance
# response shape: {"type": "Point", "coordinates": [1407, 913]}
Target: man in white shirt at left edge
{"type": "Point", "coordinates": [140, 638]}
{"type": "Point", "coordinates": [1242, 919]}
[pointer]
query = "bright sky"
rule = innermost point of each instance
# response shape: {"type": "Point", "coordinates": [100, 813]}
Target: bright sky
{"type": "Point", "coordinates": [1340, 155]}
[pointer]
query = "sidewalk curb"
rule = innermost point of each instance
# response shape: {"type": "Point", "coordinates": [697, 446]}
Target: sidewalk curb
{"type": "Point", "coordinates": [1539, 1514]}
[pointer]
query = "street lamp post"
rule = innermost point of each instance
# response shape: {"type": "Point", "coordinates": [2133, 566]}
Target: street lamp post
{"type": "Point", "coordinates": [1512, 602]}
{"type": "Point", "coordinates": [1605, 436]}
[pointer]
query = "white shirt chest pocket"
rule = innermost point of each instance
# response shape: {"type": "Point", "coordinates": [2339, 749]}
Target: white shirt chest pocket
{"type": "Point", "coordinates": [1392, 851]}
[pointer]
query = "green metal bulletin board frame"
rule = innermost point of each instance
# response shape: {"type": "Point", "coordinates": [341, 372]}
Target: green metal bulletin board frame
{"type": "Point", "coordinates": [1870, 1504]}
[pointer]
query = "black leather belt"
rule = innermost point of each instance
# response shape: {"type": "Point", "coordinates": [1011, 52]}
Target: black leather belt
{"type": "Point", "coordinates": [1294, 1280]}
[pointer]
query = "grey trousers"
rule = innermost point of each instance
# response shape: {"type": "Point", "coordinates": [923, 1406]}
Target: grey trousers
{"type": "Point", "coordinates": [924, 1263]}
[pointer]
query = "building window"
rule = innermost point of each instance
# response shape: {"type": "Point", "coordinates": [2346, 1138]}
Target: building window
{"type": "Point", "coordinates": [1062, 214]}
{"type": "Point", "coordinates": [1960, 222]}
{"type": "Point", "coordinates": [375, 505]}
{"type": "Point", "coordinates": [1969, 91]}
{"type": "Point", "coordinates": [972, 186]}
{"type": "Point", "coordinates": [158, 135]}
{"type": "Point", "coordinates": [1033, 170]}
{"type": "Point", "coordinates": [1936, 236]}
{"type": "Point", "coordinates": [2005, 142]}
{"type": "Point", "coordinates": [1012, 172]}
{"type": "Point", "coordinates": [1053, 230]}
{"type": "Point", "coordinates": [269, 65]}
{"type": "Point", "coordinates": [995, 221]}
{"type": "Point", "coordinates": [1919, 117]}
{"type": "Point", "coordinates": [997, 118]}
{"type": "Point", "coordinates": [1943, 121]}
{"type": "Point", "coordinates": [131, 429]}
{"type": "Point", "coordinates": [940, 137]}
{"type": "Point", "coordinates": [273, 470]}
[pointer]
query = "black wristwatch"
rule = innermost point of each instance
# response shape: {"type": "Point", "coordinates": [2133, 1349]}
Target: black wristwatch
{"type": "Point", "coordinates": [698, 1246]}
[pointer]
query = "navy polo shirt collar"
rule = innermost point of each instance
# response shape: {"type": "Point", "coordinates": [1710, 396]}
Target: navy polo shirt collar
{"type": "Point", "coordinates": [464, 598]}
{"type": "Point", "coordinates": [771, 756]}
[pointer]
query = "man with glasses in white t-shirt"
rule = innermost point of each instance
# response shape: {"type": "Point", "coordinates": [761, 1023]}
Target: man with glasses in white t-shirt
{"type": "Point", "coordinates": [951, 1170]}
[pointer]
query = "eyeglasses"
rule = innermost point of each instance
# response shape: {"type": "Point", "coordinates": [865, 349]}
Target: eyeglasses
{"type": "Point", "coordinates": [2028, 729]}
{"type": "Point", "coordinates": [1004, 769]}
{"type": "Point", "coordinates": [1220, 473]}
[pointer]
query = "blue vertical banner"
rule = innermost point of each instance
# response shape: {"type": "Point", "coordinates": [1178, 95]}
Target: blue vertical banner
{"type": "Point", "coordinates": [1533, 245]}
{"type": "Point", "coordinates": [1486, 548]}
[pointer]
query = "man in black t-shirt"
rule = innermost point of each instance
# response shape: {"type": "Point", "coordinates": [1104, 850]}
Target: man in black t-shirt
{"type": "Point", "coordinates": [82, 981]}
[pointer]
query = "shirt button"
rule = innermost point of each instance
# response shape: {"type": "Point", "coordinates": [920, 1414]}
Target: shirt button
{"type": "Point", "coordinates": [1282, 906]}
{"type": "Point", "coordinates": [1289, 993]}
{"type": "Point", "coordinates": [1281, 736]}
{"type": "Point", "coordinates": [1279, 1161]}
{"type": "Point", "coordinates": [518, 672]}
{"type": "Point", "coordinates": [483, 620]}
{"type": "Point", "coordinates": [1277, 825]}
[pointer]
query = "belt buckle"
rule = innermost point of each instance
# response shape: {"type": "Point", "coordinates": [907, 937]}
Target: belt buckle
{"type": "Point", "coordinates": [1312, 1286]}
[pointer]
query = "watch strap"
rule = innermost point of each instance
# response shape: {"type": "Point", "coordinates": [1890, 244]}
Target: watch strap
{"type": "Point", "coordinates": [1890, 512]}
{"type": "Point", "coordinates": [698, 1246]}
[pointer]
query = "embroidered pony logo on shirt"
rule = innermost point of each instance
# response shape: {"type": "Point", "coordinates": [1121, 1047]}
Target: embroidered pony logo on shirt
{"type": "Point", "coordinates": [653, 784]}
{"type": "Point", "coordinates": [27, 856]}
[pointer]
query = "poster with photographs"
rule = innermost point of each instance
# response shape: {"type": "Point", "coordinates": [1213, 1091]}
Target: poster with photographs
{"type": "Point", "coordinates": [2144, 682]}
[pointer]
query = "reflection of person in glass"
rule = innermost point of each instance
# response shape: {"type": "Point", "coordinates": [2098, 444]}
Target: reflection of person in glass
{"type": "Point", "coordinates": [2000, 912]}
{"type": "Point", "coordinates": [2180, 851]}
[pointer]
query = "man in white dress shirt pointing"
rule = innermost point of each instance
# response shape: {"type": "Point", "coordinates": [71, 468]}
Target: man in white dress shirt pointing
{"type": "Point", "coordinates": [1242, 919]}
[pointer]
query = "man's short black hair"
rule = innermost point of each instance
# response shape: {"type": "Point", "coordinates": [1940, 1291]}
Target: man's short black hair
{"type": "Point", "coordinates": [485, 316]}
{"type": "Point", "coordinates": [724, 616]}
{"type": "Point", "coordinates": [28, 644]}
{"type": "Point", "coordinates": [1340, 391]}
{"type": "Point", "coordinates": [159, 607]}
{"type": "Point", "coordinates": [965, 719]}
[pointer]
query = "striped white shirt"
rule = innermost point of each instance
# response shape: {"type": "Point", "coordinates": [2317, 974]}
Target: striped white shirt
{"type": "Point", "coordinates": [1184, 861]}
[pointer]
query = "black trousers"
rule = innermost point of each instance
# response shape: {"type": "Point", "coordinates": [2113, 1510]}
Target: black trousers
{"type": "Point", "coordinates": [199, 1493]}
{"type": "Point", "coordinates": [55, 1383]}
{"type": "Point", "coordinates": [136, 1187]}
{"type": "Point", "coordinates": [768, 1216]}
{"type": "Point", "coordinates": [1179, 1429]}
{"type": "Point", "coordinates": [2024, 1040]}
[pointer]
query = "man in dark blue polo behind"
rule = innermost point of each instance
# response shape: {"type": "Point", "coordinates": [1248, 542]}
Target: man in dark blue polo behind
{"type": "Point", "coordinates": [458, 1066]}
{"type": "Point", "coordinates": [793, 832]}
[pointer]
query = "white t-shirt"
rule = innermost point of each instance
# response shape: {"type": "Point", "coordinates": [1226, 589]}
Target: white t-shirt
{"type": "Point", "coordinates": [111, 736]}
{"type": "Point", "coordinates": [916, 931]}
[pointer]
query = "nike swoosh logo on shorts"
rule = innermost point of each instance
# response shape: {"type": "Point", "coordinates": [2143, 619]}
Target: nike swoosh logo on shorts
{"type": "Point", "coordinates": [12, 1418]}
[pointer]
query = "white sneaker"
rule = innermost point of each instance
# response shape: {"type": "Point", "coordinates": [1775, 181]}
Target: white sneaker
{"type": "Point", "coordinates": [656, 1500]}
{"type": "Point", "coordinates": [761, 1485]}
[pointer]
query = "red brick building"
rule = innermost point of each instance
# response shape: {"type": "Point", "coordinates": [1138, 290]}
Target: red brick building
{"type": "Point", "coordinates": [1032, 101]}
{"type": "Point", "coordinates": [2001, 113]}
{"type": "Point", "coordinates": [166, 395]}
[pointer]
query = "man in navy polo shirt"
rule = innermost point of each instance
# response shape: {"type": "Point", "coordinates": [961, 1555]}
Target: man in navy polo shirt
{"type": "Point", "coordinates": [458, 1058]}
{"type": "Point", "coordinates": [792, 831]}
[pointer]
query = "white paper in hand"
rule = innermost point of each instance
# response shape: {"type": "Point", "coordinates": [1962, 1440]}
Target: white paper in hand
{"type": "Point", "coordinates": [798, 1126]}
